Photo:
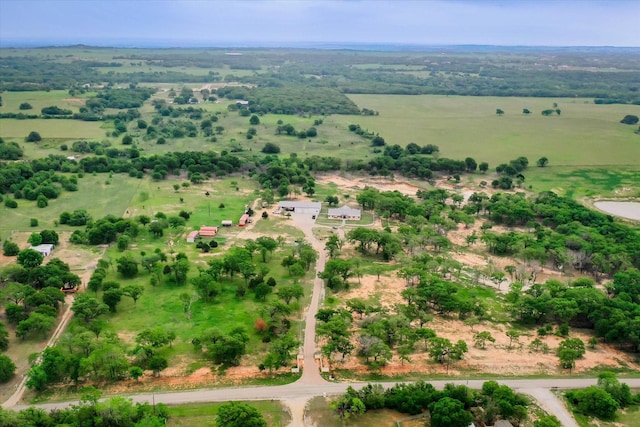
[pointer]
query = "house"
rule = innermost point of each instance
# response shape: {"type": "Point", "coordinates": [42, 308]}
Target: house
{"type": "Point", "coordinates": [191, 237]}
{"type": "Point", "coordinates": [227, 223]}
{"type": "Point", "coordinates": [300, 207]}
{"type": "Point", "coordinates": [243, 220]}
{"type": "Point", "coordinates": [242, 102]}
{"type": "Point", "coordinates": [208, 231]}
{"type": "Point", "coordinates": [345, 212]}
{"type": "Point", "coordinates": [44, 249]}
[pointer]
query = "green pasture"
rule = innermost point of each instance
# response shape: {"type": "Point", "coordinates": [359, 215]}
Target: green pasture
{"type": "Point", "coordinates": [53, 132]}
{"type": "Point", "coordinates": [161, 306]}
{"type": "Point", "coordinates": [584, 134]}
{"type": "Point", "coordinates": [39, 99]}
{"type": "Point", "coordinates": [594, 181]}
{"type": "Point", "coordinates": [204, 414]}
{"type": "Point", "coordinates": [98, 194]}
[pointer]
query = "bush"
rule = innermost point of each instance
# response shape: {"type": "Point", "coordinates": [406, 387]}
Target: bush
{"type": "Point", "coordinates": [10, 203]}
{"type": "Point", "coordinates": [7, 368]}
{"type": "Point", "coordinates": [25, 106]}
{"type": "Point", "coordinates": [33, 222]}
{"type": "Point", "coordinates": [33, 137]}
{"type": "Point", "coordinates": [10, 248]}
{"type": "Point", "coordinates": [593, 401]}
{"type": "Point", "coordinates": [42, 201]}
{"type": "Point", "coordinates": [629, 119]}
{"type": "Point", "coordinates": [271, 148]}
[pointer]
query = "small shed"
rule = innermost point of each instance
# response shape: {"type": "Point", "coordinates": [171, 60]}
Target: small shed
{"type": "Point", "coordinates": [243, 220]}
{"type": "Point", "coordinates": [191, 237]}
{"type": "Point", "coordinates": [45, 249]}
{"type": "Point", "coordinates": [227, 223]}
{"type": "Point", "coordinates": [206, 231]}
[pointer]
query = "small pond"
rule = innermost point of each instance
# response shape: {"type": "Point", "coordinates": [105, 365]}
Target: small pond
{"type": "Point", "coordinates": [630, 210]}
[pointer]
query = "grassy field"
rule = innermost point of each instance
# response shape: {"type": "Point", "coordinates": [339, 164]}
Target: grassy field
{"type": "Point", "coordinates": [52, 131]}
{"type": "Point", "coordinates": [94, 195]}
{"type": "Point", "coordinates": [587, 182]}
{"type": "Point", "coordinates": [584, 134]}
{"type": "Point", "coordinates": [204, 415]}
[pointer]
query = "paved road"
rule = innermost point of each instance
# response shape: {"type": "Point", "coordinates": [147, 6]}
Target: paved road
{"type": "Point", "coordinates": [300, 392]}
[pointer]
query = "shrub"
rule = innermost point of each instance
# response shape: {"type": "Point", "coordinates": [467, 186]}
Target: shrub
{"type": "Point", "coordinates": [629, 119]}
{"type": "Point", "coordinates": [33, 222]}
{"type": "Point", "coordinates": [7, 368]}
{"type": "Point", "coordinates": [10, 248]}
{"type": "Point", "coordinates": [33, 137]}
{"type": "Point", "coordinates": [10, 203]}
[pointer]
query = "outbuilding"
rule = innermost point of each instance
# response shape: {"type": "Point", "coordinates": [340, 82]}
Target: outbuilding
{"type": "Point", "coordinates": [243, 220]}
{"type": "Point", "coordinates": [206, 231]}
{"type": "Point", "coordinates": [227, 223]}
{"type": "Point", "coordinates": [191, 237]}
{"type": "Point", "coordinates": [45, 249]}
{"type": "Point", "coordinates": [312, 208]}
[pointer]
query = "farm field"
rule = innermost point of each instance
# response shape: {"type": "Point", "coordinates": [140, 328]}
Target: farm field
{"type": "Point", "coordinates": [583, 135]}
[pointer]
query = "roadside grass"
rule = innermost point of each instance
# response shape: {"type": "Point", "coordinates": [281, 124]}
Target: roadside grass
{"type": "Point", "coordinates": [584, 134]}
{"type": "Point", "coordinates": [204, 414]}
{"type": "Point", "coordinates": [319, 413]}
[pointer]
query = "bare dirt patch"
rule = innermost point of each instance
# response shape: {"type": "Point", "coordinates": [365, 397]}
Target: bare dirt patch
{"type": "Point", "coordinates": [498, 358]}
{"type": "Point", "coordinates": [76, 101]}
{"type": "Point", "coordinates": [359, 183]}
{"type": "Point", "coordinates": [385, 291]}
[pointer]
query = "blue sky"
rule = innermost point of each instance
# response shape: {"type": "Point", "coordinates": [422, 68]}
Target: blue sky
{"type": "Point", "coordinates": [286, 22]}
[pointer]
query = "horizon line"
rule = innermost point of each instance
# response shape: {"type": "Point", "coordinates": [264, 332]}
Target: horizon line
{"type": "Point", "coordinates": [193, 44]}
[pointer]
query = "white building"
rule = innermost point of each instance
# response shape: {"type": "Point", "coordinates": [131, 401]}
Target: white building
{"type": "Point", "coordinates": [44, 249]}
{"type": "Point", "coordinates": [345, 212]}
{"type": "Point", "coordinates": [300, 207]}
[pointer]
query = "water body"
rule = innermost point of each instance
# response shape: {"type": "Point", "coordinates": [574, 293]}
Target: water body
{"type": "Point", "coordinates": [629, 210]}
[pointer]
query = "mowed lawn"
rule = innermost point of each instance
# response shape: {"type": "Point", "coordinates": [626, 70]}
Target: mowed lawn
{"type": "Point", "coordinates": [584, 134]}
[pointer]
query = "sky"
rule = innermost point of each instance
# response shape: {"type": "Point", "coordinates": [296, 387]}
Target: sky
{"type": "Point", "coordinates": [224, 23]}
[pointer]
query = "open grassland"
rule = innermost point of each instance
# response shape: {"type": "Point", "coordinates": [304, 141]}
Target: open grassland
{"type": "Point", "coordinates": [99, 194]}
{"type": "Point", "coordinates": [586, 182]}
{"type": "Point", "coordinates": [53, 132]}
{"type": "Point", "coordinates": [204, 414]}
{"type": "Point", "coordinates": [39, 99]}
{"type": "Point", "coordinates": [584, 134]}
